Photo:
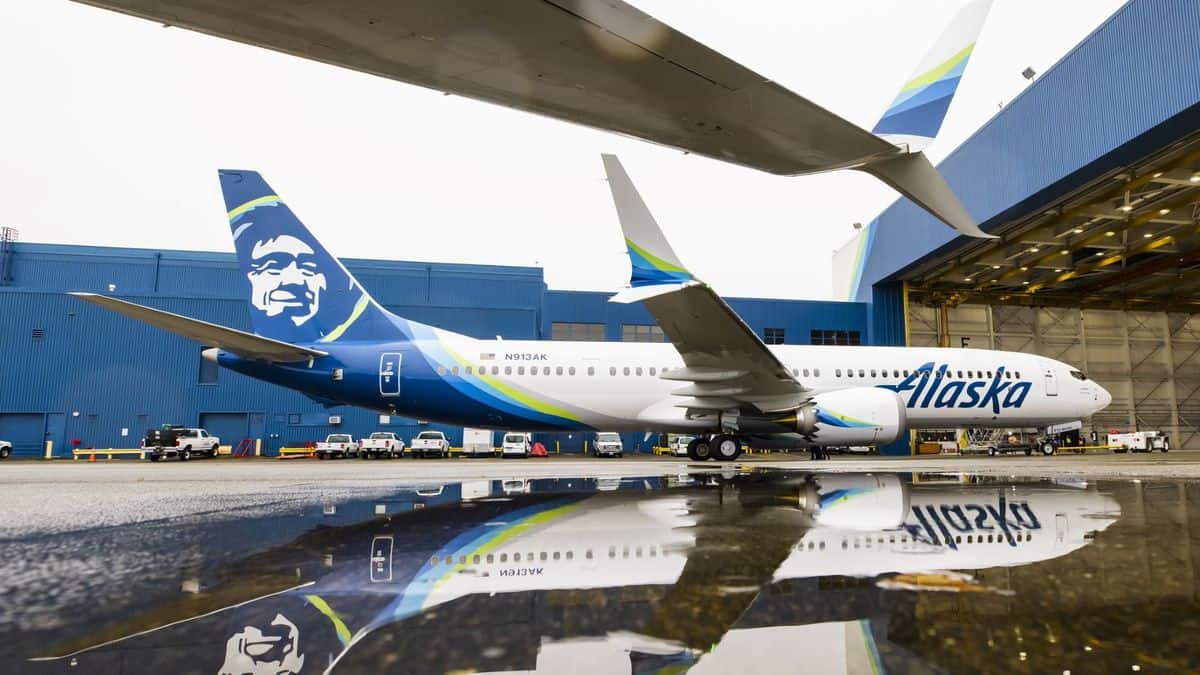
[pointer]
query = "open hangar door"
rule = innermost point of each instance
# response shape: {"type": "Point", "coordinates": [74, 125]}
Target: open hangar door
{"type": "Point", "coordinates": [1107, 279]}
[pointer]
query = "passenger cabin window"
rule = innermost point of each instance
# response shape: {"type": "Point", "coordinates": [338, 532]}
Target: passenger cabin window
{"type": "Point", "coordinates": [806, 372]}
{"type": "Point", "coordinates": [838, 372]}
{"type": "Point", "coordinates": [861, 373]}
{"type": "Point", "coordinates": [612, 370]}
{"type": "Point", "coordinates": [816, 372]}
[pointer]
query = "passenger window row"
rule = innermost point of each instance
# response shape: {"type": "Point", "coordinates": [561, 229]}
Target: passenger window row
{"type": "Point", "coordinates": [544, 556]}
{"type": "Point", "coordinates": [569, 371]}
{"type": "Point", "coordinates": [925, 374]}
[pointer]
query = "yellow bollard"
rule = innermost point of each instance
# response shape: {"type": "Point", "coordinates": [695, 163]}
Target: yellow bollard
{"type": "Point", "coordinates": [258, 447]}
{"type": "Point", "coordinates": [49, 449]}
{"type": "Point", "coordinates": [557, 447]}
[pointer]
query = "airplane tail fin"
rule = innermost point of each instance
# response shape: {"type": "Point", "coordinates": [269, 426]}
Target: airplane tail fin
{"type": "Point", "coordinates": [914, 118]}
{"type": "Point", "coordinates": [298, 292]}
{"type": "Point", "coordinates": [654, 261]}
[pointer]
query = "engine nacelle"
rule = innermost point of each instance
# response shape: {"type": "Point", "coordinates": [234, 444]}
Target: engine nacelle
{"type": "Point", "coordinates": [858, 416]}
{"type": "Point", "coordinates": [862, 502]}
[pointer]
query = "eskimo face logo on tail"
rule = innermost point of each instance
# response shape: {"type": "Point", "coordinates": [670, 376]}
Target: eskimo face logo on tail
{"type": "Point", "coordinates": [936, 389]}
{"type": "Point", "coordinates": [267, 650]}
{"type": "Point", "coordinates": [285, 279]}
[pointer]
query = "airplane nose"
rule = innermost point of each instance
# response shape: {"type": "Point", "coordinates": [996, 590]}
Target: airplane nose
{"type": "Point", "coordinates": [1103, 398]}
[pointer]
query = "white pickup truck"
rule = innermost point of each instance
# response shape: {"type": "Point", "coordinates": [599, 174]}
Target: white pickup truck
{"type": "Point", "coordinates": [430, 444]}
{"type": "Point", "coordinates": [337, 446]}
{"type": "Point", "coordinates": [182, 442]}
{"type": "Point", "coordinates": [383, 444]}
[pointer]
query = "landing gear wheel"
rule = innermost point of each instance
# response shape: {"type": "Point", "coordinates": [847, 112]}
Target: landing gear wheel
{"type": "Point", "coordinates": [1047, 448]}
{"type": "Point", "coordinates": [700, 450]}
{"type": "Point", "coordinates": [725, 447]}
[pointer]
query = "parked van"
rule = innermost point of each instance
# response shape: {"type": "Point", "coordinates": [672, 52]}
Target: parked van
{"type": "Point", "coordinates": [516, 444]}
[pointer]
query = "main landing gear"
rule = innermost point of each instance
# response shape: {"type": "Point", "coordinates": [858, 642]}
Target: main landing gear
{"type": "Point", "coordinates": [721, 447]}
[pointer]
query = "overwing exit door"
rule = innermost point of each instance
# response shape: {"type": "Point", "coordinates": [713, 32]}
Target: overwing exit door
{"type": "Point", "coordinates": [1051, 382]}
{"type": "Point", "coordinates": [389, 374]}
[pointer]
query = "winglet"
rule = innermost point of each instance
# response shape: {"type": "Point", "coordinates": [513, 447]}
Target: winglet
{"type": "Point", "coordinates": [912, 175]}
{"type": "Point", "coordinates": [654, 262]}
{"type": "Point", "coordinates": [916, 115]}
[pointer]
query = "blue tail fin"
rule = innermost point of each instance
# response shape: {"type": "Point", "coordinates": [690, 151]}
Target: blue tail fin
{"type": "Point", "coordinates": [298, 292]}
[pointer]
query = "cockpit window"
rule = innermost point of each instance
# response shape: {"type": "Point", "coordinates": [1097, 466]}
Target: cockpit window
{"type": "Point", "coordinates": [1078, 375]}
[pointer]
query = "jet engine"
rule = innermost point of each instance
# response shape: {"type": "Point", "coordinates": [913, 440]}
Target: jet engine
{"type": "Point", "coordinates": [858, 416]}
{"type": "Point", "coordinates": [861, 502]}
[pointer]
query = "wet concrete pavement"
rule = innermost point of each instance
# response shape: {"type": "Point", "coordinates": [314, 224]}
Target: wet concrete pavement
{"type": "Point", "coordinates": [575, 565]}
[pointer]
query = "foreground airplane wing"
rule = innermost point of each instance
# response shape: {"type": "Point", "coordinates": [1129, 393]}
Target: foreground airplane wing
{"type": "Point", "coordinates": [243, 344]}
{"type": "Point", "coordinates": [727, 363]}
{"type": "Point", "coordinates": [601, 63]}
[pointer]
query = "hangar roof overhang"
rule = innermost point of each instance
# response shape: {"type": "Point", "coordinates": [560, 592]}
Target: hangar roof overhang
{"type": "Point", "coordinates": [1128, 240]}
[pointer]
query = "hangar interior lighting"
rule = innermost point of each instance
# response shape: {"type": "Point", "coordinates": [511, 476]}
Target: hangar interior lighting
{"type": "Point", "coordinates": [995, 267]}
{"type": "Point", "coordinates": [1163, 212]}
{"type": "Point", "coordinates": [1126, 207]}
{"type": "Point", "coordinates": [1195, 178]}
{"type": "Point", "coordinates": [1110, 233]}
{"type": "Point", "coordinates": [1078, 230]}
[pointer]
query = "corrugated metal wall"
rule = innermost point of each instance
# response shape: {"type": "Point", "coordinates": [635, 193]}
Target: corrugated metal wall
{"type": "Point", "coordinates": [1124, 92]}
{"type": "Point", "coordinates": [88, 374]}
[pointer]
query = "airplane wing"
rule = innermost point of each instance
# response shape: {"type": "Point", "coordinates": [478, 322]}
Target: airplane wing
{"type": "Point", "coordinates": [600, 63]}
{"type": "Point", "coordinates": [238, 342]}
{"type": "Point", "coordinates": [727, 364]}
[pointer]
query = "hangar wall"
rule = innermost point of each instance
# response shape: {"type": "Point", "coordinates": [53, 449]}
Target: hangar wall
{"type": "Point", "coordinates": [1127, 89]}
{"type": "Point", "coordinates": [1149, 361]}
{"type": "Point", "coordinates": [73, 371]}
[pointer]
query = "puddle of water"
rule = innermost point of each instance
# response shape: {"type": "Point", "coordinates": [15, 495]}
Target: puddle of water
{"type": "Point", "coordinates": [762, 571]}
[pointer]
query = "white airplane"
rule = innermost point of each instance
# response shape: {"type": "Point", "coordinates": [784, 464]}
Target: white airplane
{"type": "Point", "coordinates": [316, 329]}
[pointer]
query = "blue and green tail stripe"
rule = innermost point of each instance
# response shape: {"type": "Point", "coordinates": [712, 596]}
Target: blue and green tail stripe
{"type": "Point", "coordinates": [649, 269]}
{"type": "Point", "coordinates": [922, 103]}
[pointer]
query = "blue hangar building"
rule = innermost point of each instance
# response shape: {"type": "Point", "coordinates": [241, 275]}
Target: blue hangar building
{"type": "Point", "coordinates": [80, 373]}
{"type": "Point", "coordinates": [1090, 178]}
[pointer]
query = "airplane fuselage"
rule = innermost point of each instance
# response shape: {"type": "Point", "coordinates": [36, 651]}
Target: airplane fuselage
{"type": "Point", "coordinates": [617, 386]}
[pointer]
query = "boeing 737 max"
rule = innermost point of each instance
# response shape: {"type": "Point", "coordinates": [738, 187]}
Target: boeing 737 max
{"type": "Point", "coordinates": [317, 330]}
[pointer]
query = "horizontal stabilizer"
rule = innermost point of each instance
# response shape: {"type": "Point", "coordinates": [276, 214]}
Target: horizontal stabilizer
{"type": "Point", "coordinates": [915, 177]}
{"type": "Point", "coordinates": [238, 342]}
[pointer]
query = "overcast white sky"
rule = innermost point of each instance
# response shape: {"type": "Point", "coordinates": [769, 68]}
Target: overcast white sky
{"type": "Point", "coordinates": [114, 128]}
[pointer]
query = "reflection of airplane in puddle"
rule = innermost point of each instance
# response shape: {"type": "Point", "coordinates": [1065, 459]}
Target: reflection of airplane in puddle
{"type": "Point", "coordinates": [657, 577]}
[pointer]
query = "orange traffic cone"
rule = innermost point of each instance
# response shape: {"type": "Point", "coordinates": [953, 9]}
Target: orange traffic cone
{"type": "Point", "coordinates": [92, 457]}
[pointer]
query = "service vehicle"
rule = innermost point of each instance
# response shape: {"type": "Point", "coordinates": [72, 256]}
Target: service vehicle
{"type": "Point", "coordinates": [1139, 441]}
{"type": "Point", "coordinates": [477, 443]}
{"type": "Point", "coordinates": [337, 446]}
{"type": "Point", "coordinates": [430, 444]}
{"type": "Point", "coordinates": [608, 444]}
{"type": "Point", "coordinates": [381, 444]}
{"type": "Point", "coordinates": [516, 445]}
{"type": "Point", "coordinates": [5, 449]}
{"type": "Point", "coordinates": [181, 442]}
{"type": "Point", "coordinates": [679, 444]}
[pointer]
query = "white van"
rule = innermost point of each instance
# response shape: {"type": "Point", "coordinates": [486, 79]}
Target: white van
{"type": "Point", "coordinates": [515, 445]}
{"type": "Point", "coordinates": [608, 443]}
